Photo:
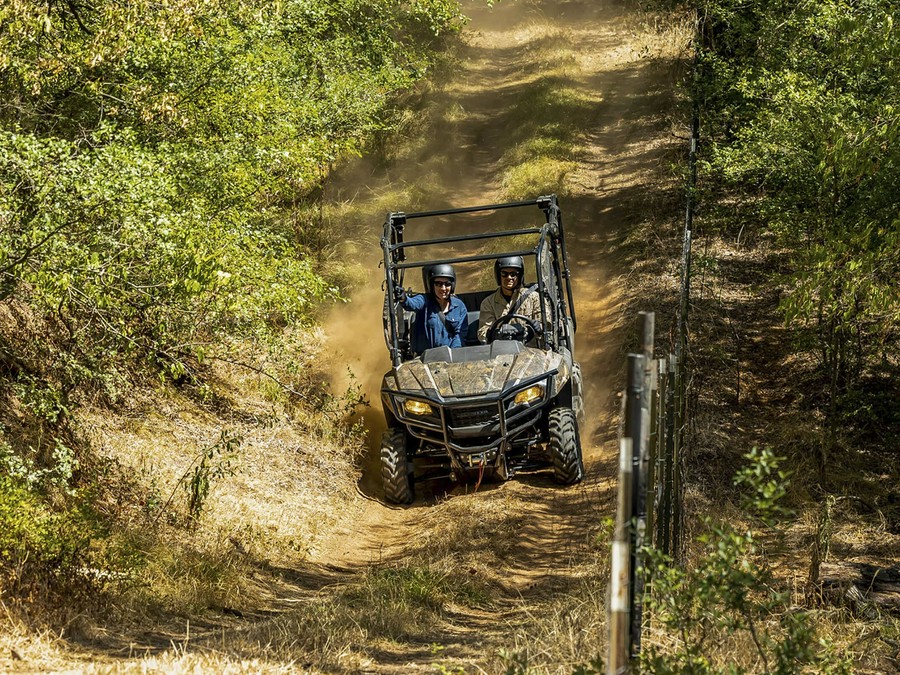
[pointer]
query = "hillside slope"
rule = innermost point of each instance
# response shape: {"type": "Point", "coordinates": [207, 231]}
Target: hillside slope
{"type": "Point", "coordinates": [325, 578]}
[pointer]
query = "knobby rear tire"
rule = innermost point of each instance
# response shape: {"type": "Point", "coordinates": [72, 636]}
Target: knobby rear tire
{"type": "Point", "coordinates": [396, 468]}
{"type": "Point", "coordinates": [565, 446]}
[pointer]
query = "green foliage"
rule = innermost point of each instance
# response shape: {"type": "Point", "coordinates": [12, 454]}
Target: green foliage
{"type": "Point", "coordinates": [58, 472]}
{"type": "Point", "coordinates": [211, 464]}
{"type": "Point", "coordinates": [44, 401]}
{"type": "Point", "coordinates": [726, 612]}
{"type": "Point", "coordinates": [152, 158]}
{"type": "Point", "coordinates": [592, 667]}
{"type": "Point", "coordinates": [156, 165]}
{"type": "Point", "coordinates": [800, 108]}
{"type": "Point", "coordinates": [766, 484]}
{"type": "Point", "coordinates": [48, 551]}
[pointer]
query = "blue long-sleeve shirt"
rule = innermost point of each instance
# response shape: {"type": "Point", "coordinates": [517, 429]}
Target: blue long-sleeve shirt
{"type": "Point", "coordinates": [429, 330]}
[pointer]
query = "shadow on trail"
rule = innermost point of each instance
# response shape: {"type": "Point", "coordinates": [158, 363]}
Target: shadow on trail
{"type": "Point", "coordinates": [509, 87]}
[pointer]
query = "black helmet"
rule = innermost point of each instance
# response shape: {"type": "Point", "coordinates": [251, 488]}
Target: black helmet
{"type": "Point", "coordinates": [429, 274]}
{"type": "Point", "coordinates": [510, 261]}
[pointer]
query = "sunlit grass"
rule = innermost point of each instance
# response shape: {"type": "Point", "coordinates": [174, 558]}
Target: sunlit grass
{"type": "Point", "coordinates": [408, 599]}
{"type": "Point", "coordinates": [536, 177]}
{"type": "Point", "coordinates": [562, 633]}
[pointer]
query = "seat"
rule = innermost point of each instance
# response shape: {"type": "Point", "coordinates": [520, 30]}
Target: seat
{"type": "Point", "coordinates": [472, 300]}
{"type": "Point", "coordinates": [406, 323]}
{"type": "Point", "coordinates": [472, 334]}
{"type": "Point", "coordinates": [471, 354]}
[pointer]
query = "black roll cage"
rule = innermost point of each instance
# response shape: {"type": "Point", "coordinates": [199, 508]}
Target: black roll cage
{"type": "Point", "coordinates": [551, 234]}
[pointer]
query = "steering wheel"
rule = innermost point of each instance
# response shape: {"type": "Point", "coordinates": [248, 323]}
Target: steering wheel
{"type": "Point", "coordinates": [531, 328]}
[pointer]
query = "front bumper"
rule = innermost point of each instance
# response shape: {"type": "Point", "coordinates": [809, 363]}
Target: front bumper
{"type": "Point", "coordinates": [472, 427]}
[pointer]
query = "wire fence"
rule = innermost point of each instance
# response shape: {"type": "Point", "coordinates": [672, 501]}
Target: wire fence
{"type": "Point", "coordinates": [652, 446]}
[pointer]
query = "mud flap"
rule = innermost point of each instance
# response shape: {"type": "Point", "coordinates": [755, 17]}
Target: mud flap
{"type": "Point", "coordinates": [501, 468]}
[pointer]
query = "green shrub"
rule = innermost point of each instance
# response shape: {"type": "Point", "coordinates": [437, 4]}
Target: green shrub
{"type": "Point", "coordinates": [798, 107]}
{"type": "Point", "coordinates": [155, 158]}
{"type": "Point", "coordinates": [42, 547]}
{"type": "Point", "coordinates": [726, 612]}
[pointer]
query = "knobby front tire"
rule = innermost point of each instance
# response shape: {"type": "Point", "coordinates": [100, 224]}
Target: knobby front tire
{"type": "Point", "coordinates": [396, 468]}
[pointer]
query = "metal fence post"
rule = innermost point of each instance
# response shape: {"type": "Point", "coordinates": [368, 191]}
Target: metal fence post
{"type": "Point", "coordinates": [648, 430]}
{"type": "Point", "coordinates": [634, 418]}
{"type": "Point", "coordinates": [660, 504]}
{"type": "Point", "coordinates": [680, 403]}
{"type": "Point", "coordinates": [620, 561]}
{"type": "Point", "coordinates": [677, 446]}
{"type": "Point", "coordinates": [668, 480]}
{"type": "Point", "coordinates": [683, 302]}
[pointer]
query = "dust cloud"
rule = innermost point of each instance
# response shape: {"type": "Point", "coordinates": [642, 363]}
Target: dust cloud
{"type": "Point", "coordinates": [358, 359]}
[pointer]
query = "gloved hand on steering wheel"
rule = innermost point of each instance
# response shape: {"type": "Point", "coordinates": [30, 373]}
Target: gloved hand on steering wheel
{"type": "Point", "coordinates": [399, 293]}
{"type": "Point", "coordinates": [511, 331]}
{"type": "Point", "coordinates": [525, 328]}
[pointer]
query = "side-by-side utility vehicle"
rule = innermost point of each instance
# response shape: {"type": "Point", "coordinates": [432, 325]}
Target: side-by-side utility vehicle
{"type": "Point", "coordinates": [482, 409]}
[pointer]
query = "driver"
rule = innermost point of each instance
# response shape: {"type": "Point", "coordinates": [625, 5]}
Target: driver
{"type": "Point", "coordinates": [511, 298]}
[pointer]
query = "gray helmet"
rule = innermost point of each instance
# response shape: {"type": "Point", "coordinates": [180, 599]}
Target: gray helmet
{"type": "Point", "coordinates": [510, 261]}
{"type": "Point", "coordinates": [429, 274]}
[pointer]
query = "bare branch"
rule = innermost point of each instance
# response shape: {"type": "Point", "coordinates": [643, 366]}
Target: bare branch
{"type": "Point", "coordinates": [248, 366]}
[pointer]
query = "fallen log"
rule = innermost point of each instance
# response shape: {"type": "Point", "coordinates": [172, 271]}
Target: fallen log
{"type": "Point", "coordinates": [864, 586]}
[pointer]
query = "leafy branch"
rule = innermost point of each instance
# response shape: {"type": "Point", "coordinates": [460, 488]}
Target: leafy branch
{"type": "Point", "coordinates": [211, 463]}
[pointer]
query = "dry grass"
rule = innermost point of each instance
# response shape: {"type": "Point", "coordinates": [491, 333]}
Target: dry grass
{"type": "Point", "coordinates": [755, 388]}
{"type": "Point", "coordinates": [473, 583]}
{"type": "Point", "coordinates": [545, 120]}
{"type": "Point", "coordinates": [561, 632]}
{"type": "Point", "coordinates": [288, 484]}
{"type": "Point", "coordinates": [455, 573]}
{"type": "Point", "coordinates": [290, 479]}
{"type": "Point", "coordinates": [538, 176]}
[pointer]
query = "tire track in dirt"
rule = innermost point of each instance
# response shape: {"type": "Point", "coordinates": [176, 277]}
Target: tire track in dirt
{"type": "Point", "coordinates": [620, 175]}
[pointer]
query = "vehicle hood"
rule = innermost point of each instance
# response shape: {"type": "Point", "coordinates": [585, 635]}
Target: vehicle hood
{"type": "Point", "coordinates": [471, 378]}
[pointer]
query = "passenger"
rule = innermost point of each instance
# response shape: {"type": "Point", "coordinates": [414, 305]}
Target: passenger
{"type": "Point", "coordinates": [441, 317]}
{"type": "Point", "coordinates": [511, 298]}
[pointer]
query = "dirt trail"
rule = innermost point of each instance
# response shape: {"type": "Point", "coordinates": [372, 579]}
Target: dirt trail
{"type": "Point", "coordinates": [538, 547]}
{"type": "Point", "coordinates": [620, 172]}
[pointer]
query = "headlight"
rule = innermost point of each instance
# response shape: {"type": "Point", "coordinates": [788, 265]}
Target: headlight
{"type": "Point", "coordinates": [526, 396]}
{"type": "Point", "coordinates": [416, 407]}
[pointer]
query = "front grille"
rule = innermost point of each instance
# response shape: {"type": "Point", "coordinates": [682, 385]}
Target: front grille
{"type": "Point", "coordinates": [473, 417]}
